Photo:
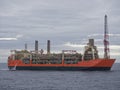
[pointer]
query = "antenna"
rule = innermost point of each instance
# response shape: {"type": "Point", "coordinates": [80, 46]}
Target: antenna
{"type": "Point", "coordinates": [106, 40]}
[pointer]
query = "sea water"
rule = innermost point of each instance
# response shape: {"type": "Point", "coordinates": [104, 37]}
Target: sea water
{"type": "Point", "coordinates": [59, 80]}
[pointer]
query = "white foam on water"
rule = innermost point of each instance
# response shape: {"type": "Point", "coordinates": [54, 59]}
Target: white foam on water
{"type": "Point", "coordinates": [4, 69]}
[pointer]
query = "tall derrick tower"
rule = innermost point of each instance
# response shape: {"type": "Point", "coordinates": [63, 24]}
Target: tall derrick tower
{"type": "Point", "coordinates": [106, 39]}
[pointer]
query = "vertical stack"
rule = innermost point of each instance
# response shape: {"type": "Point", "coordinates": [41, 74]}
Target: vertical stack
{"type": "Point", "coordinates": [48, 46]}
{"type": "Point", "coordinates": [36, 46]}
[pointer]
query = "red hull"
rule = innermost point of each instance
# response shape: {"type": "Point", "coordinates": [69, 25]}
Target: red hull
{"type": "Point", "coordinates": [83, 65]}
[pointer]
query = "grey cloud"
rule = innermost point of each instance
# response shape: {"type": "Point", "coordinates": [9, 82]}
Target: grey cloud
{"type": "Point", "coordinates": [58, 20]}
{"type": "Point", "coordinates": [43, 14]}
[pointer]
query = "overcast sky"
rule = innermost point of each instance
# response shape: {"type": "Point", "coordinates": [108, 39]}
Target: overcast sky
{"type": "Point", "coordinates": [65, 22]}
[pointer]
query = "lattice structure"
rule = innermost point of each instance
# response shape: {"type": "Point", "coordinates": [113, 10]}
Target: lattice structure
{"type": "Point", "coordinates": [106, 40]}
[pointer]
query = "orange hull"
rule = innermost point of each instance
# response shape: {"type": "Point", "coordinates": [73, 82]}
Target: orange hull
{"type": "Point", "coordinates": [83, 65]}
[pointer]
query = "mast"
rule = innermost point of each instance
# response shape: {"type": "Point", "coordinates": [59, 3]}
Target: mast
{"type": "Point", "coordinates": [106, 40]}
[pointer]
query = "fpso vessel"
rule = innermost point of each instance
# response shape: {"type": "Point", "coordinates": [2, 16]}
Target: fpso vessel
{"type": "Point", "coordinates": [66, 60]}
